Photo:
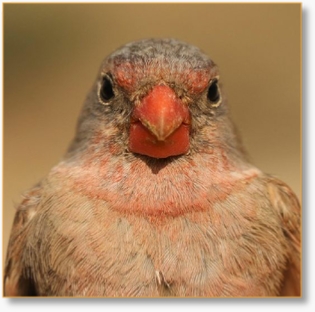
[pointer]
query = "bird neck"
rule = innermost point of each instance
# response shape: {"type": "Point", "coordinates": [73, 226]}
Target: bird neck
{"type": "Point", "coordinates": [131, 184]}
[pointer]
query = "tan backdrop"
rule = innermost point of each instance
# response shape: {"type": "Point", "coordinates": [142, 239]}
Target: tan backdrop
{"type": "Point", "coordinates": [52, 53]}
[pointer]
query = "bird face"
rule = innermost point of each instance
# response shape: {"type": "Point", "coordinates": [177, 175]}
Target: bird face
{"type": "Point", "coordinates": [162, 87]}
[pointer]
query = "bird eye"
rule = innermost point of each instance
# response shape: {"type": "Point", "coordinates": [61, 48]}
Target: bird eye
{"type": "Point", "coordinates": [213, 91]}
{"type": "Point", "coordinates": [106, 91]}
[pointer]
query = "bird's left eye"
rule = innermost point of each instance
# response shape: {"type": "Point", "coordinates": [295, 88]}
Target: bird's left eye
{"type": "Point", "coordinates": [106, 91]}
{"type": "Point", "coordinates": [213, 91]}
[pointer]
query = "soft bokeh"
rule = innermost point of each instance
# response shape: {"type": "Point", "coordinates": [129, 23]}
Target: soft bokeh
{"type": "Point", "coordinates": [52, 53]}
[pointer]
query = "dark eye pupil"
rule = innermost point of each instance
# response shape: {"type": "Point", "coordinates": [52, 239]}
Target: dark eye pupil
{"type": "Point", "coordinates": [213, 91]}
{"type": "Point", "coordinates": [106, 89]}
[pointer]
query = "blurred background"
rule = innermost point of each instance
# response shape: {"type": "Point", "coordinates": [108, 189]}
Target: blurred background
{"type": "Point", "coordinates": [52, 53]}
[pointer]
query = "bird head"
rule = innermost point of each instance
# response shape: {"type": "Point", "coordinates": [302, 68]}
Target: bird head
{"type": "Point", "coordinates": [158, 98]}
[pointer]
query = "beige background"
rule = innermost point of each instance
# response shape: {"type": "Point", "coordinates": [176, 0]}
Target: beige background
{"type": "Point", "coordinates": [52, 53]}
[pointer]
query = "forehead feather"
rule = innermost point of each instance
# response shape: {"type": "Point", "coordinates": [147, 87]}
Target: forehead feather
{"type": "Point", "coordinates": [157, 60]}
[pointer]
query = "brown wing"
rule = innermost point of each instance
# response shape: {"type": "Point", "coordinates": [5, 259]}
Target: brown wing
{"type": "Point", "coordinates": [288, 208]}
{"type": "Point", "coordinates": [17, 280]}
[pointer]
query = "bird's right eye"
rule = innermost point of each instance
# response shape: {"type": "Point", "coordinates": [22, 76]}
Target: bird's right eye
{"type": "Point", "coordinates": [106, 91]}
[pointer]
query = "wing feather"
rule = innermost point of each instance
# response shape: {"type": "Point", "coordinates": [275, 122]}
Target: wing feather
{"type": "Point", "coordinates": [288, 208]}
{"type": "Point", "coordinates": [17, 280]}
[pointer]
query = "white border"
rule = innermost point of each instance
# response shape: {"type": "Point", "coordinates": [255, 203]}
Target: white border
{"type": "Point", "coordinates": [305, 304]}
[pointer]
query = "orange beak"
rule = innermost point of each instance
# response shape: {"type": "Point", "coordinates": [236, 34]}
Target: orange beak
{"type": "Point", "coordinates": [160, 125]}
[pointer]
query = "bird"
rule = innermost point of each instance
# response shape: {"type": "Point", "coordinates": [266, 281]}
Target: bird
{"type": "Point", "coordinates": [156, 195]}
